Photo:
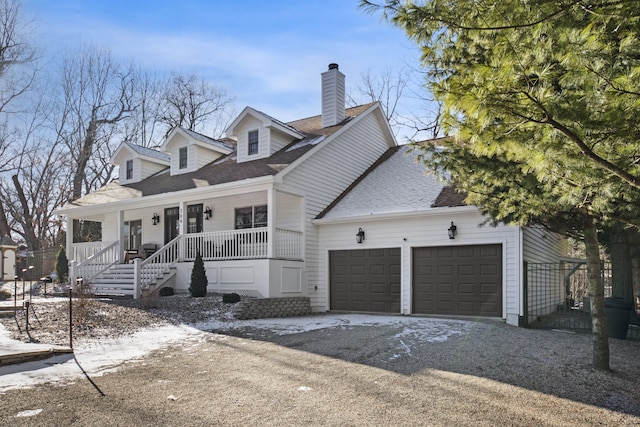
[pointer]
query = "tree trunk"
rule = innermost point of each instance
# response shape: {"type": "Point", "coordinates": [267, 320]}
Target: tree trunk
{"type": "Point", "coordinates": [29, 230]}
{"type": "Point", "coordinates": [619, 252]}
{"type": "Point", "coordinates": [634, 254]}
{"type": "Point", "coordinates": [596, 294]}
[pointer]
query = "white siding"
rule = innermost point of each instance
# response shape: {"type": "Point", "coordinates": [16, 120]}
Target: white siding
{"type": "Point", "coordinates": [203, 156]}
{"type": "Point", "coordinates": [242, 132]}
{"type": "Point", "coordinates": [223, 208]}
{"type": "Point", "coordinates": [419, 231]}
{"type": "Point", "coordinates": [323, 177]}
{"type": "Point", "coordinates": [146, 169]}
{"type": "Point", "coordinates": [289, 211]}
{"type": "Point", "coordinates": [545, 280]}
{"type": "Point", "coordinates": [278, 141]}
{"type": "Point", "coordinates": [540, 245]}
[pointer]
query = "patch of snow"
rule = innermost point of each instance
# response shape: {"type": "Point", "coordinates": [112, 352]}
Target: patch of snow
{"type": "Point", "coordinates": [95, 358]}
{"type": "Point", "coordinates": [30, 413]}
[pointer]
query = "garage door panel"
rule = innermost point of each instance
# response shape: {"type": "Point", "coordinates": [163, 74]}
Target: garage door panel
{"type": "Point", "coordinates": [357, 269]}
{"type": "Point", "coordinates": [425, 270]}
{"type": "Point", "coordinates": [466, 270]}
{"type": "Point", "coordinates": [444, 252]}
{"type": "Point", "coordinates": [491, 251]}
{"type": "Point", "coordinates": [466, 252]}
{"type": "Point", "coordinates": [358, 288]}
{"type": "Point", "coordinates": [445, 270]}
{"type": "Point", "coordinates": [444, 288]}
{"type": "Point", "coordinates": [378, 288]}
{"type": "Point", "coordinates": [373, 278]}
{"type": "Point", "coordinates": [466, 288]}
{"type": "Point", "coordinates": [467, 280]}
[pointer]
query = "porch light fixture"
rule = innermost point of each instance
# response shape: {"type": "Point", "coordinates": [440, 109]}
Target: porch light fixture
{"type": "Point", "coordinates": [360, 235]}
{"type": "Point", "coordinates": [207, 213]}
{"type": "Point", "coordinates": [453, 230]}
{"type": "Point", "coordinates": [155, 218]}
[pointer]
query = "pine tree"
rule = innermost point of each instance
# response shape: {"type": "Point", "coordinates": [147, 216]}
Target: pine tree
{"type": "Point", "coordinates": [542, 98]}
{"type": "Point", "coordinates": [198, 286]}
{"type": "Point", "coordinates": [62, 266]}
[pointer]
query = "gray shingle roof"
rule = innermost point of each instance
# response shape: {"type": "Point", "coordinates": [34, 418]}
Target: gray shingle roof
{"type": "Point", "coordinates": [224, 169]}
{"type": "Point", "coordinates": [207, 140]}
{"type": "Point", "coordinates": [149, 152]}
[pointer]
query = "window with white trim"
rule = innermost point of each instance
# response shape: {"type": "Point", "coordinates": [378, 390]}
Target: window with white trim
{"type": "Point", "coordinates": [251, 217]}
{"type": "Point", "coordinates": [253, 142]}
{"type": "Point", "coordinates": [129, 169]}
{"type": "Point", "coordinates": [182, 155]}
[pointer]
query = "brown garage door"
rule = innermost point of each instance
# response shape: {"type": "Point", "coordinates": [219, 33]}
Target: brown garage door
{"type": "Point", "coordinates": [365, 280]}
{"type": "Point", "coordinates": [458, 280]}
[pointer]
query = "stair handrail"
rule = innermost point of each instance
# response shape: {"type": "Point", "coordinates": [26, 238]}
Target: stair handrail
{"type": "Point", "coordinates": [159, 262]}
{"type": "Point", "coordinates": [98, 262]}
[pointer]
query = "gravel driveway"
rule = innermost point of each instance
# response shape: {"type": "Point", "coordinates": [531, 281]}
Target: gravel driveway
{"type": "Point", "coordinates": [396, 371]}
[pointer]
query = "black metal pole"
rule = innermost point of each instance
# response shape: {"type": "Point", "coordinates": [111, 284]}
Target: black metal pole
{"type": "Point", "coordinates": [15, 294]}
{"type": "Point", "coordinates": [26, 314]}
{"type": "Point", "coordinates": [70, 318]}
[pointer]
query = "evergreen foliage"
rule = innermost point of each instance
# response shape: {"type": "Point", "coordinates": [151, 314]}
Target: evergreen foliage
{"type": "Point", "coordinates": [198, 286]}
{"type": "Point", "coordinates": [231, 298]}
{"type": "Point", "coordinates": [542, 99]}
{"type": "Point", "coordinates": [62, 266]}
{"type": "Point", "coordinates": [166, 292]}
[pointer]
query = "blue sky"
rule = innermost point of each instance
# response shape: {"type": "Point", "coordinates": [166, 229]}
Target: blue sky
{"type": "Point", "coordinates": [267, 54]}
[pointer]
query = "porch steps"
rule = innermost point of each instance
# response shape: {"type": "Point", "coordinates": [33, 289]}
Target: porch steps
{"type": "Point", "coordinates": [117, 281]}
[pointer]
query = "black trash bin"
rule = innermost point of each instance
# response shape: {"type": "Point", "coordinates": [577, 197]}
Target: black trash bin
{"type": "Point", "coordinates": [618, 311]}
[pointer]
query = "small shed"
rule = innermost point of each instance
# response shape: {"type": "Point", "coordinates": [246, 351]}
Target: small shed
{"type": "Point", "coordinates": [8, 249]}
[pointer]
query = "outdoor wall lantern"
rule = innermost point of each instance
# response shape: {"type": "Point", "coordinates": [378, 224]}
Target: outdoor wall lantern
{"type": "Point", "coordinates": [155, 218]}
{"type": "Point", "coordinates": [207, 213]}
{"type": "Point", "coordinates": [360, 235]}
{"type": "Point", "coordinates": [453, 230]}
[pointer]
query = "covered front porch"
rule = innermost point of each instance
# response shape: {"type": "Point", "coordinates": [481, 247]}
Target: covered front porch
{"type": "Point", "coordinates": [249, 242]}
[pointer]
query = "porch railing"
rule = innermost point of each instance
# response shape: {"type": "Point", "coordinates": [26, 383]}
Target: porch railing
{"type": "Point", "coordinates": [288, 244]}
{"type": "Point", "coordinates": [252, 243]}
{"type": "Point", "coordinates": [83, 251]}
{"type": "Point", "coordinates": [157, 264]}
{"type": "Point", "coordinates": [96, 263]}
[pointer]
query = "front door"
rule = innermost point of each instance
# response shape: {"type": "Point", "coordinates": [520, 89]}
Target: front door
{"type": "Point", "coordinates": [171, 224]}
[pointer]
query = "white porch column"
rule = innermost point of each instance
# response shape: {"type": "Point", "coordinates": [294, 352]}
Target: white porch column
{"type": "Point", "coordinates": [137, 268]}
{"type": "Point", "coordinates": [182, 226]}
{"type": "Point", "coordinates": [271, 222]}
{"type": "Point", "coordinates": [120, 234]}
{"type": "Point", "coordinates": [69, 242]}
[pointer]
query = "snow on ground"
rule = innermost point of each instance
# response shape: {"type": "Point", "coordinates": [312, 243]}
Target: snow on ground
{"type": "Point", "coordinates": [96, 358]}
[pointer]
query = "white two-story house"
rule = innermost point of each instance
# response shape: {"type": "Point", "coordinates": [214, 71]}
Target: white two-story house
{"type": "Point", "coordinates": [327, 207]}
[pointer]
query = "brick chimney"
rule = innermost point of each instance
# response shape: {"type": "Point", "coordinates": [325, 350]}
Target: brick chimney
{"type": "Point", "coordinates": [332, 96]}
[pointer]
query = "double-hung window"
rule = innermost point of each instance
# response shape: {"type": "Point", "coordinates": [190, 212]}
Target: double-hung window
{"type": "Point", "coordinates": [253, 142]}
{"type": "Point", "coordinates": [182, 154]}
{"type": "Point", "coordinates": [129, 169]}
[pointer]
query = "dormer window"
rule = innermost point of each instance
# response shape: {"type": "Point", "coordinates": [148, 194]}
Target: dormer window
{"type": "Point", "coordinates": [182, 153]}
{"type": "Point", "coordinates": [129, 169]}
{"type": "Point", "coordinates": [253, 142]}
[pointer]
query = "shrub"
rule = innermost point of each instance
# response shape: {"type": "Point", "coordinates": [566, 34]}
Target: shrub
{"type": "Point", "coordinates": [166, 292]}
{"type": "Point", "coordinates": [198, 287]}
{"type": "Point", "coordinates": [4, 295]}
{"type": "Point", "coordinates": [62, 266]}
{"type": "Point", "coordinates": [231, 298]}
